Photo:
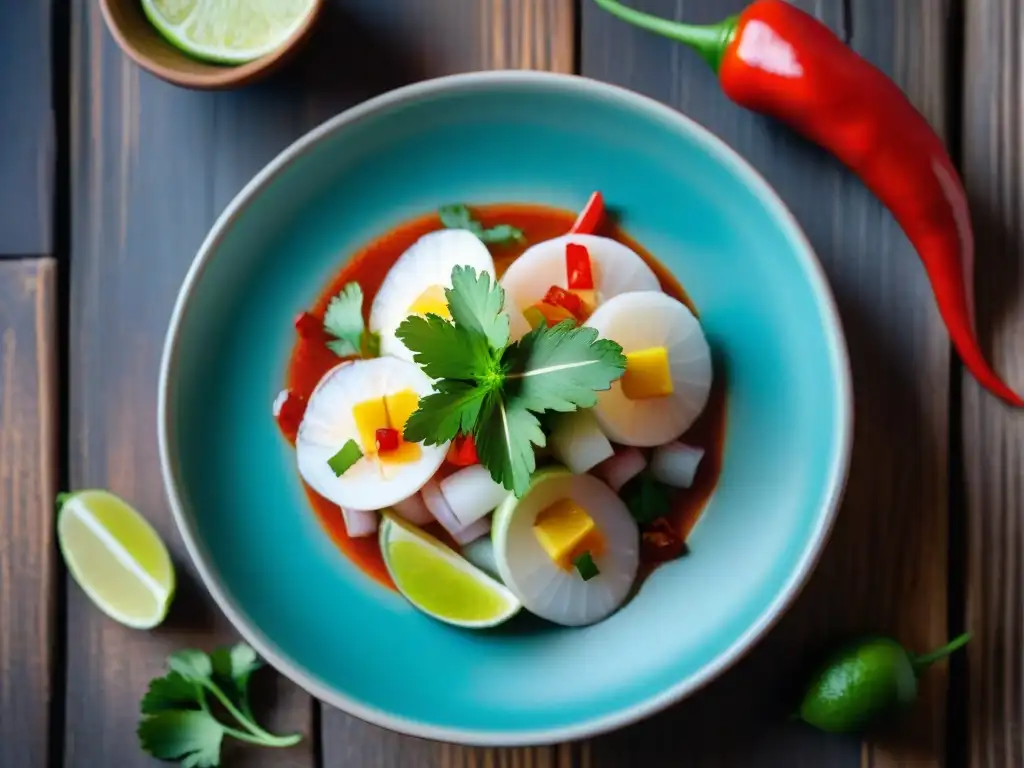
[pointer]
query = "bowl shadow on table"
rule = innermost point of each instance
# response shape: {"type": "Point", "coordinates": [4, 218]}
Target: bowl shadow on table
{"type": "Point", "coordinates": [345, 61]}
{"type": "Point", "coordinates": [744, 717]}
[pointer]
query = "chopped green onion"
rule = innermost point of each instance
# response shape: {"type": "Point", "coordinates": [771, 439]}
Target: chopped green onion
{"type": "Point", "coordinates": [586, 566]}
{"type": "Point", "coordinates": [343, 460]}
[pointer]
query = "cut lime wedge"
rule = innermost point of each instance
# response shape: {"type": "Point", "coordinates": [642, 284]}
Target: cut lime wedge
{"type": "Point", "coordinates": [441, 583]}
{"type": "Point", "coordinates": [116, 557]}
{"type": "Point", "coordinates": [227, 31]}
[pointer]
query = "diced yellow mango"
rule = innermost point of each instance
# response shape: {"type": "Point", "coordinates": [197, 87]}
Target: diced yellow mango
{"type": "Point", "coordinates": [588, 298]}
{"type": "Point", "coordinates": [560, 528]}
{"type": "Point", "coordinates": [647, 374]}
{"type": "Point", "coordinates": [405, 453]}
{"type": "Point", "coordinates": [401, 406]}
{"type": "Point", "coordinates": [431, 302]}
{"type": "Point", "coordinates": [370, 415]}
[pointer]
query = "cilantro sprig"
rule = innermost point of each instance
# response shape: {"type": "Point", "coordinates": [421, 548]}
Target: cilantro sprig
{"type": "Point", "coordinates": [178, 722]}
{"type": "Point", "coordinates": [494, 390]}
{"type": "Point", "coordinates": [344, 321]}
{"type": "Point", "coordinates": [458, 216]}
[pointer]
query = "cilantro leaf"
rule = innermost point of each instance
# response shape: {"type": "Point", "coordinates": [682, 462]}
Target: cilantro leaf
{"type": "Point", "coordinates": [646, 498]}
{"type": "Point", "coordinates": [453, 408]}
{"type": "Point", "coordinates": [443, 350]}
{"type": "Point", "coordinates": [458, 216]}
{"type": "Point", "coordinates": [561, 368]}
{"type": "Point", "coordinates": [191, 736]}
{"type": "Point", "coordinates": [505, 435]}
{"type": "Point", "coordinates": [233, 667]}
{"type": "Point", "coordinates": [172, 691]}
{"type": "Point", "coordinates": [191, 664]}
{"type": "Point", "coordinates": [344, 320]}
{"type": "Point", "coordinates": [476, 304]}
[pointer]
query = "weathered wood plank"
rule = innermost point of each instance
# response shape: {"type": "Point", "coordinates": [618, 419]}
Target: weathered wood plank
{"type": "Point", "coordinates": [993, 437]}
{"type": "Point", "coordinates": [152, 167]}
{"type": "Point", "coordinates": [148, 180]}
{"type": "Point", "coordinates": [28, 472]}
{"type": "Point", "coordinates": [885, 568]}
{"type": "Point", "coordinates": [26, 130]}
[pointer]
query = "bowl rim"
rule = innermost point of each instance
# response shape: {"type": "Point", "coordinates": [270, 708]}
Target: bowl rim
{"type": "Point", "coordinates": [838, 467]}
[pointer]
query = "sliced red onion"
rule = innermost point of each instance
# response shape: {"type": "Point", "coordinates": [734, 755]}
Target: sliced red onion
{"type": "Point", "coordinates": [473, 531]}
{"type": "Point", "coordinates": [676, 464]}
{"type": "Point", "coordinates": [626, 464]}
{"type": "Point", "coordinates": [471, 494]}
{"type": "Point", "coordinates": [578, 442]}
{"type": "Point", "coordinates": [414, 510]}
{"type": "Point", "coordinates": [358, 523]}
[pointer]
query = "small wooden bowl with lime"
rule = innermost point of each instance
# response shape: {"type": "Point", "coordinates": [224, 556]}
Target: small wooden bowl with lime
{"type": "Point", "coordinates": [210, 44]}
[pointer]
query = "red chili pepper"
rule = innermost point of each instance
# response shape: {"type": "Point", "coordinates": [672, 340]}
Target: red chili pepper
{"type": "Point", "coordinates": [579, 276]}
{"type": "Point", "coordinates": [590, 217]}
{"type": "Point", "coordinates": [387, 439]}
{"type": "Point", "coordinates": [559, 297]}
{"type": "Point", "coordinates": [463, 451]}
{"type": "Point", "coordinates": [775, 59]}
{"type": "Point", "coordinates": [660, 541]}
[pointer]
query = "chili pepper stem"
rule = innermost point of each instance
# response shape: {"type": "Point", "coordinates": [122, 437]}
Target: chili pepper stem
{"type": "Point", "coordinates": [921, 663]}
{"type": "Point", "coordinates": [710, 41]}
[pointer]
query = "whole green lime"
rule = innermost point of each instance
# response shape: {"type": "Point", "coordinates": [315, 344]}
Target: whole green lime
{"type": "Point", "coordinates": [866, 681]}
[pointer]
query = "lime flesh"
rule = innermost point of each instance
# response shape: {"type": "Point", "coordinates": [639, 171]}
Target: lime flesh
{"type": "Point", "coordinates": [116, 557]}
{"type": "Point", "coordinates": [439, 582]}
{"type": "Point", "coordinates": [227, 31]}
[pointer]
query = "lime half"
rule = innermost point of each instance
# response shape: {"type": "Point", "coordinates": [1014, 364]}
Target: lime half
{"type": "Point", "coordinates": [441, 583]}
{"type": "Point", "coordinates": [116, 557]}
{"type": "Point", "coordinates": [228, 31]}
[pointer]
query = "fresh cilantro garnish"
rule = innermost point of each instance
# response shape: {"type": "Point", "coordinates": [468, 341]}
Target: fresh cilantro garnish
{"type": "Point", "coordinates": [344, 321]}
{"type": "Point", "coordinates": [646, 498]}
{"type": "Point", "coordinates": [458, 216]}
{"type": "Point", "coordinates": [496, 391]}
{"type": "Point", "coordinates": [177, 722]}
{"type": "Point", "coordinates": [585, 566]}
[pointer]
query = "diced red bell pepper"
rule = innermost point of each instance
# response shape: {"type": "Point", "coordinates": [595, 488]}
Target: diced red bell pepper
{"type": "Point", "coordinates": [590, 217]}
{"type": "Point", "coordinates": [560, 297]}
{"type": "Point", "coordinates": [462, 452]}
{"type": "Point", "coordinates": [660, 541]}
{"type": "Point", "coordinates": [553, 315]}
{"type": "Point", "coordinates": [579, 276]}
{"type": "Point", "coordinates": [387, 439]}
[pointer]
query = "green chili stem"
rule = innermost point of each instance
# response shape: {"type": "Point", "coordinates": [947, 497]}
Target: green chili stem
{"type": "Point", "coordinates": [922, 662]}
{"type": "Point", "coordinates": [710, 41]}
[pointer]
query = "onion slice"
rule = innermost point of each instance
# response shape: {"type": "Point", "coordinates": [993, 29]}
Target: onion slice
{"type": "Point", "coordinates": [359, 523]}
{"type": "Point", "coordinates": [626, 464]}
{"type": "Point", "coordinates": [578, 442]}
{"type": "Point", "coordinates": [471, 494]}
{"type": "Point", "coordinates": [676, 464]}
{"type": "Point", "coordinates": [474, 531]}
{"type": "Point", "coordinates": [413, 510]}
{"type": "Point", "coordinates": [481, 554]}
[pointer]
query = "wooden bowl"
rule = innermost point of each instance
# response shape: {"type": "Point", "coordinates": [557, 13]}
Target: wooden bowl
{"type": "Point", "coordinates": [144, 44]}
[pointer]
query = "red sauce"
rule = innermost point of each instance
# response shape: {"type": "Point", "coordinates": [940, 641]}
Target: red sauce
{"type": "Point", "coordinates": [311, 359]}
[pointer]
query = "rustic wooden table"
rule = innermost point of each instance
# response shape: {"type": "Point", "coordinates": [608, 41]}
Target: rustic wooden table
{"type": "Point", "coordinates": [109, 179]}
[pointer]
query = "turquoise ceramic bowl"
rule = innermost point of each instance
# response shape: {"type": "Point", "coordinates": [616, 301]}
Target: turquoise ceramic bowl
{"type": "Point", "coordinates": [492, 137]}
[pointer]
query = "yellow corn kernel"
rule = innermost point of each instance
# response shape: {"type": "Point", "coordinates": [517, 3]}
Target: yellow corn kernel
{"type": "Point", "coordinates": [647, 374]}
{"type": "Point", "coordinates": [560, 528]}
{"type": "Point", "coordinates": [431, 302]}
{"type": "Point", "coordinates": [401, 406]}
{"type": "Point", "coordinates": [370, 415]}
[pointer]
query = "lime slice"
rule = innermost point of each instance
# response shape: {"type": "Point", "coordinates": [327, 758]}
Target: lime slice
{"type": "Point", "coordinates": [116, 557]}
{"type": "Point", "coordinates": [441, 583]}
{"type": "Point", "coordinates": [227, 31]}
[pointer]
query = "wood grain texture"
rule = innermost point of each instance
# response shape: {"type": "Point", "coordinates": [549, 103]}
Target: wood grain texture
{"type": "Point", "coordinates": [152, 166]}
{"type": "Point", "coordinates": [885, 567]}
{"type": "Point", "coordinates": [28, 472]}
{"type": "Point", "coordinates": [993, 437]}
{"type": "Point", "coordinates": [26, 130]}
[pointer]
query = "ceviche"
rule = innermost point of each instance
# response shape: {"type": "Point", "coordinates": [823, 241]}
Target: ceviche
{"type": "Point", "coordinates": [506, 407]}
